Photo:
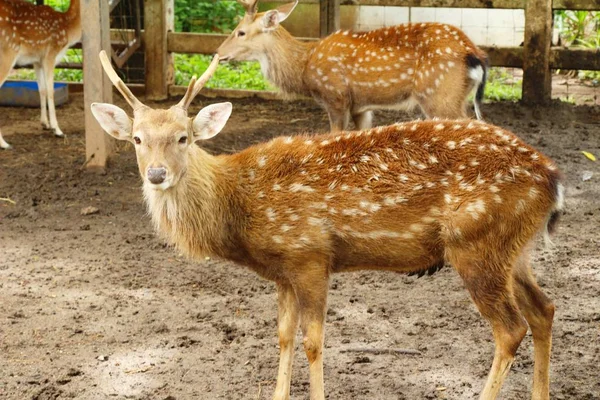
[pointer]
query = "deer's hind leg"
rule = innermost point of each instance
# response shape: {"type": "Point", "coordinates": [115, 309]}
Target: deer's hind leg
{"type": "Point", "coordinates": [338, 119]}
{"type": "Point", "coordinates": [363, 120]}
{"type": "Point", "coordinates": [444, 95]}
{"type": "Point", "coordinates": [311, 287]}
{"type": "Point", "coordinates": [538, 310]}
{"type": "Point", "coordinates": [287, 322]}
{"type": "Point", "coordinates": [490, 283]}
{"type": "Point", "coordinates": [8, 57]}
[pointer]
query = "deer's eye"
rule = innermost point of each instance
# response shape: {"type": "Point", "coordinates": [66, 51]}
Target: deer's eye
{"type": "Point", "coordinates": [241, 33]}
{"type": "Point", "coordinates": [183, 140]}
{"type": "Point", "coordinates": [137, 140]}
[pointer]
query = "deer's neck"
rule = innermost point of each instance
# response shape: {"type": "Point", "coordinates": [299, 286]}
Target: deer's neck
{"type": "Point", "coordinates": [284, 61]}
{"type": "Point", "coordinates": [199, 215]}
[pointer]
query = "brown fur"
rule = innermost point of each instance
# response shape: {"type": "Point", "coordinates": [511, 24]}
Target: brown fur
{"type": "Point", "coordinates": [353, 73]}
{"type": "Point", "coordinates": [37, 35]}
{"type": "Point", "coordinates": [404, 198]}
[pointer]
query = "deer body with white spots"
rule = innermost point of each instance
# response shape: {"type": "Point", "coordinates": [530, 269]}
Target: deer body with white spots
{"type": "Point", "coordinates": [37, 35]}
{"type": "Point", "coordinates": [432, 65]}
{"type": "Point", "coordinates": [408, 198]}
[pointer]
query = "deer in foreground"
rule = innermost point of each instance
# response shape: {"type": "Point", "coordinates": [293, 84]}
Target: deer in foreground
{"type": "Point", "coordinates": [351, 74]}
{"type": "Point", "coordinates": [37, 35]}
{"type": "Point", "coordinates": [406, 198]}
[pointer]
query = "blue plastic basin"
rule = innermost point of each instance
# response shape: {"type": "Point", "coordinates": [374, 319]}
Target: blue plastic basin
{"type": "Point", "coordinates": [25, 94]}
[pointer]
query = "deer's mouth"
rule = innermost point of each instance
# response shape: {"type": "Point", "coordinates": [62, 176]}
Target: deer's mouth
{"type": "Point", "coordinates": [164, 185]}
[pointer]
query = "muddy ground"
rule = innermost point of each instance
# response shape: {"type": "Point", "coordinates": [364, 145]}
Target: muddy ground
{"type": "Point", "coordinates": [96, 307]}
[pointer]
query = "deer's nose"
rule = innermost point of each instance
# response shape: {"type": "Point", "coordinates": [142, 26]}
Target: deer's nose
{"type": "Point", "coordinates": [157, 175]}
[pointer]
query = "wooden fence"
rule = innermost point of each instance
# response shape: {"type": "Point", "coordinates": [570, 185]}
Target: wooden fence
{"type": "Point", "coordinates": [536, 57]}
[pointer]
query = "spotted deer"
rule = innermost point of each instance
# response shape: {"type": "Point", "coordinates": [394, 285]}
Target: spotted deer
{"type": "Point", "coordinates": [37, 35]}
{"type": "Point", "coordinates": [408, 198]}
{"type": "Point", "coordinates": [351, 74]}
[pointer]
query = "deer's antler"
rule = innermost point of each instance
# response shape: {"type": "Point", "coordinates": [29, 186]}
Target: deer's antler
{"type": "Point", "coordinates": [119, 84]}
{"type": "Point", "coordinates": [197, 84]}
{"type": "Point", "coordinates": [251, 6]}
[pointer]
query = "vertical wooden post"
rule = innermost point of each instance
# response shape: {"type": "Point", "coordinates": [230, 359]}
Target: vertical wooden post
{"type": "Point", "coordinates": [329, 16]}
{"type": "Point", "coordinates": [537, 77]}
{"type": "Point", "coordinates": [97, 87]}
{"type": "Point", "coordinates": [159, 19]}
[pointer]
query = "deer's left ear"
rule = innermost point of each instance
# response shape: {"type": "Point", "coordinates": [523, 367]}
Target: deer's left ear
{"type": "Point", "coordinates": [210, 120]}
{"type": "Point", "coordinates": [273, 18]}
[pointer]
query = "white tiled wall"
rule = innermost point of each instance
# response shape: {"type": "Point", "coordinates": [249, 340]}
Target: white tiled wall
{"type": "Point", "coordinates": [483, 26]}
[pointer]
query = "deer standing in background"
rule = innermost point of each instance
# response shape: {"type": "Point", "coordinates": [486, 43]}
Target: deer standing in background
{"type": "Point", "coordinates": [407, 198]}
{"type": "Point", "coordinates": [353, 73]}
{"type": "Point", "coordinates": [37, 35]}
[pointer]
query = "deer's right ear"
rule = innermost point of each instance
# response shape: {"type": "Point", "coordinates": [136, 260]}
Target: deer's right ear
{"type": "Point", "coordinates": [210, 120]}
{"type": "Point", "coordinates": [113, 120]}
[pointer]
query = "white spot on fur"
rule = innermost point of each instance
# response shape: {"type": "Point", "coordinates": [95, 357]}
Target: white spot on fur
{"type": "Point", "coordinates": [298, 187]}
{"type": "Point", "coordinates": [371, 207]}
{"type": "Point", "coordinates": [476, 208]}
{"type": "Point", "coordinates": [316, 221]}
{"type": "Point", "coordinates": [285, 228]}
{"type": "Point", "coordinates": [277, 239]}
{"type": "Point", "coordinates": [533, 192]}
{"type": "Point", "coordinates": [393, 200]}
{"type": "Point", "coordinates": [271, 215]}
{"type": "Point", "coordinates": [262, 161]}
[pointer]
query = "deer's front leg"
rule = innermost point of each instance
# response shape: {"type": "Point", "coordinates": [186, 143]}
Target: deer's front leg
{"type": "Point", "coordinates": [312, 299]}
{"type": "Point", "coordinates": [288, 318]}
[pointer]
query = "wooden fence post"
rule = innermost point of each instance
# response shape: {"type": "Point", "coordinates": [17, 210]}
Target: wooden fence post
{"type": "Point", "coordinates": [329, 17]}
{"type": "Point", "coordinates": [159, 17]}
{"type": "Point", "coordinates": [95, 22]}
{"type": "Point", "coordinates": [537, 76]}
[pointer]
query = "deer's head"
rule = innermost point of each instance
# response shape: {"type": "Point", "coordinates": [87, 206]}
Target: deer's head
{"type": "Point", "coordinates": [162, 138]}
{"type": "Point", "coordinates": [254, 33]}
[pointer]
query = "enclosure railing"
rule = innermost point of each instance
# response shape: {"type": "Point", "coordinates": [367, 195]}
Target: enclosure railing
{"type": "Point", "coordinates": [536, 57]}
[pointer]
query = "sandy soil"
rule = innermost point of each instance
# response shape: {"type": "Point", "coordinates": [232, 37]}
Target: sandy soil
{"type": "Point", "coordinates": [96, 307]}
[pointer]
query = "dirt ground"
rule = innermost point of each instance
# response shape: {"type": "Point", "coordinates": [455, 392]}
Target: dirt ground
{"type": "Point", "coordinates": [96, 307]}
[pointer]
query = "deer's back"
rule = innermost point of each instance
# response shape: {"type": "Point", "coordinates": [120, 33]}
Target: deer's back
{"type": "Point", "coordinates": [392, 197]}
{"type": "Point", "coordinates": [27, 27]}
{"type": "Point", "coordinates": [388, 65]}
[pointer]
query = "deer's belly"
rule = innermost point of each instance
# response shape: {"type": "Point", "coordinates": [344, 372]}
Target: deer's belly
{"type": "Point", "coordinates": [27, 57]}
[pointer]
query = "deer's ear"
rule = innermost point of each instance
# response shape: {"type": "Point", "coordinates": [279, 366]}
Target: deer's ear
{"type": "Point", "coordinates": [273, 18]}
{"type": "Point", "coordinates": [113, 120]}
{"type": "Point", "coordinates": [210, 120]}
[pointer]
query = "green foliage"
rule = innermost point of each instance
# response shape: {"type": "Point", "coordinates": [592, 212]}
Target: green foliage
{"type": "Point", "coordinates": [58, 5]}
{"type": "Point", "coordinates": [568, 99]}
{"type": "Point", "coordinates": [502, 86]}
{"type": "Point", "coordinates": [242, 75]}
{"type": "Point", "coordinates": [207, 16]}
{"type": "Point", "coordinates": [581, 29]}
